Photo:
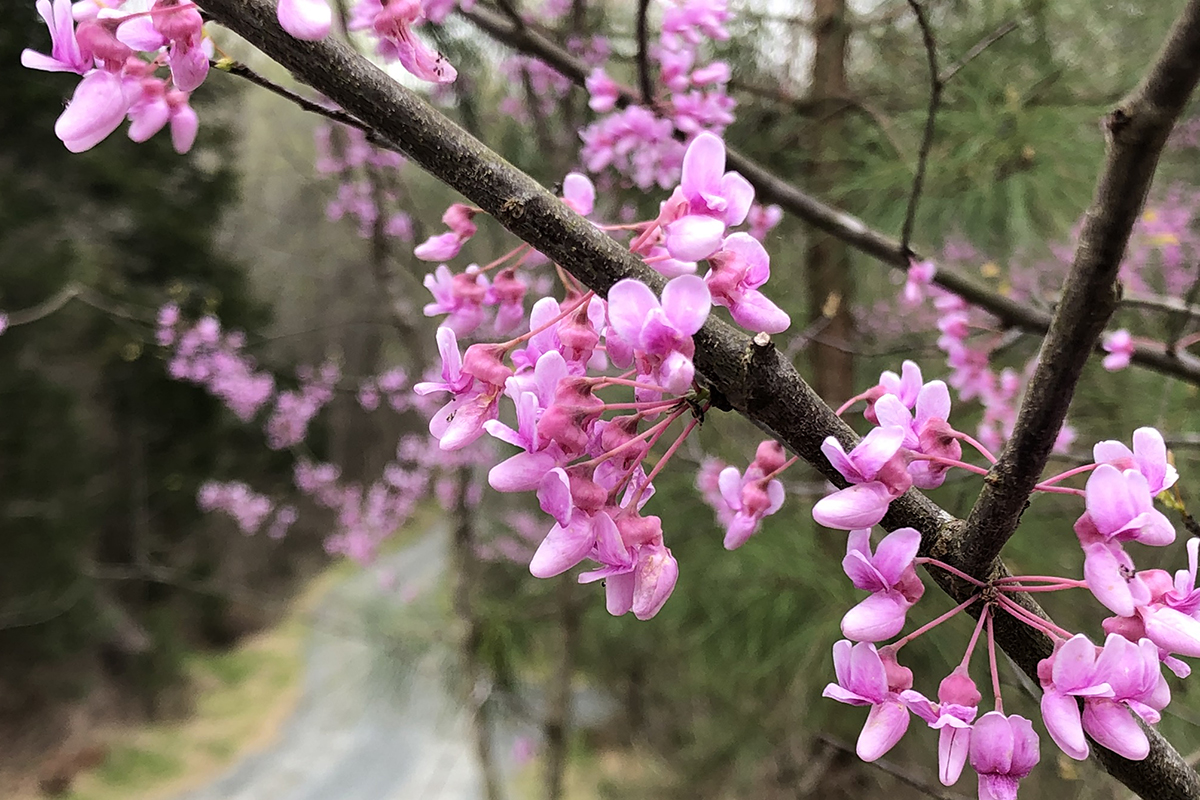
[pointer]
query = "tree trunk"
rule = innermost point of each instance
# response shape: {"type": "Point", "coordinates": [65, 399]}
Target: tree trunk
{"type": "Point", "coordinates": [478, 681]}
{"type": "Point", "coordinates": [557, 722]}
{"type": "Point", "coordinates": [830, 284]}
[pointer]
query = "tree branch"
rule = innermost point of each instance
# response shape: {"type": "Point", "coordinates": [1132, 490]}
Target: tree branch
{"type": "Point", "coordinates": [935, 100]}
{"type": "Point", "coordinates": [848, 228]}
{"type": "Point", "coordinates": [645, 81]}
{"type": "Point", "coordinates": [974, 52]}
{"type": "Point", "coordinates": [746, 375]}
{"type": "Point", "coordinates": [1137, 130]}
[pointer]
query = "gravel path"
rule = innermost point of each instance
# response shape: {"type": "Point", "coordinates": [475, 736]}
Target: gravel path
{"type": "Point", "coordinates": [369, 725]}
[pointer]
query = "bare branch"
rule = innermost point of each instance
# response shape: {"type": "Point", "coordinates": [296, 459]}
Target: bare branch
{"type": "Point", "coordinates": [1138, 130]}
{"type": "Point", "coordinates": [980, 46]}
{"type": "Point", "coordinates": [935, 99]}
{"type": "Point", "coordinates": [645, 82]}
{"type": "Point", "coordinates": [243, 71]}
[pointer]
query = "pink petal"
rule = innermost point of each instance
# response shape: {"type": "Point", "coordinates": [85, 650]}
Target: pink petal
{"type": "Point", "coordinates": [97, 108]}
{"type": "Point", "coordinates": [877, 448]}
{"type": "Point", "coordinates": [1060, 712]}
{"type": "Point", "coordinates": [618, 593]}
{"type": "Point", "coordinates": [655, 577]}
{"type": "Point", "coordinates": [563, 548]}
{"type": "Point", "coordinates": [1108, 498]}
{"type": "Point", "coordinates": [1112, 726]}
{"type": "Point", "coordinates": [833, 451]}
{"type": "Point", "coordinates": [865, 674]}
{"type": "Point", "coordinates": [522, 472]}
{"type": "Point", "coordinates": [739, 196]}
{"type": "Point", "coordinates": [755, 312]}
{"type": "Point", "coordinates": [896, 553]}
{"type": "Point", "coordinates": [879, 617]}
{"type": "Point", "coordinates": [729, 481]}
{"type": "Point", "coordinates": [185, 124]}
{"type": "Point", "coordinates": [630, 304]}
{"type": "Point", "coordinates": [140, 34]}
{"type": "Point", "coordinates": [1104, 577]}
{"type": "Point", "coordinates": [554, 495]}
{"type": "Point", "coordinates": [859, 506]}
{"type": "Point", "coordinates": [686, 303]}
{"type": "Point", "coordinates": [885, 726]}
{"type": "Point", "coordinates": [1074, 664]}
{"type": "Point", "coordinates": [1173, 631]}
{"type": "Point", "coordinates": [306, 19]}
{"type": "Point", "coordinates": [579, 193]}
{"type": "Point", "coordinates": [933, 402]}
{"type": "Point", "coordinates": [953, 746]}
{"type": "Point", "coordinates": [703, 165]}
{"type": "Point", "coordinates": [694, 237]}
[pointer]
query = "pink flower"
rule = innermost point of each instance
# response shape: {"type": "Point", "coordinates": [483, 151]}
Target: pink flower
{"type": "Point", "coordinates": [878, 473]}
{"type": "Point", "coordinates": [928, 432]}
{"type": "Point", "coordinates": [762, 219]}
{"type": "Point", "coordinates": [958, 703]}
{"type": "Point", "coordinates": [919, 278]}
{"type": "Point", "coordinates": [638, 571]}
{"type": "Point", "coordinates": [749, 498]}
{"type": "Point", "coordinates": [661, 333]}
{"type": "Point", "coordinates": [1125, 677]}
{"type": "Point", "coordinates": [739, 268]}
{"type": "Point", "coordinates": [1003, 751]}
{"type": "Point", "coordinates": [393, 22]}
{"type": "Point", "coordinates": [1149, 457]}
{"type": "Point", "coordinates": [708, 199]}
{"type": "Point", "coordinates": [306, 19]}
{"type": "Point", "coordinates": [579, 193]}
{"type": "Point", "coordinates": [889, 575]}
{"type": "Point", "coordinates": [97, 109]}
{"type": "Point", "coordinates": [1169, 618]}
{"type": "Point", "coordinates": [864, 680]}
{"type": "Point", "coordinates": [1119, 346]}
{"type": "Point", "coordinates": [602, 91]}
{"type": "Point", "coordinates": [66, 55]}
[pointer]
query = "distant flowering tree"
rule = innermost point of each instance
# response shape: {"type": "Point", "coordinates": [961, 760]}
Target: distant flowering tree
{"type": "Point", "coordinates": [627, 347]}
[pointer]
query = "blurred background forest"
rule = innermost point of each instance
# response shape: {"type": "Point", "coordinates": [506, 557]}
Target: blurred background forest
{"type": "Point", "coordinates": [122, 605]}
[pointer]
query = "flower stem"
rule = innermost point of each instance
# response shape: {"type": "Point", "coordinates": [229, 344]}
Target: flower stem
{"type": "Point", "coordinates": [933, 562]}
{"type": "Point", "coordinates": [1031, 619]}
{"type": "Point", "coordinates": [1069, 473]}
{"type": "Point", "coordinates": [950, 462]}
{"type": "Point", "coordinates": [983, 617]}
{"type": "Point", "coordinates": [992, 663]}
{"type": "Point", "coordinates": [983, 451]}
{"type": "Point", "coordinates": [928, 626]}
{"type": "Point", "coordinates": [779, 471]}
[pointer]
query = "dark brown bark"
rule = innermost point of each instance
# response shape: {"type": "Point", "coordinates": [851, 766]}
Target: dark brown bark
{"type": "Point", "coordinates": [827, 265]}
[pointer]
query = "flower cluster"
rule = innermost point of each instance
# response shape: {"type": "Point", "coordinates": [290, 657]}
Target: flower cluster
{"type": "Point", "coordinates": [249, 509]}
{"type": "Point", "coordinates": [1097, 691]}
{"type": "Point", "coordinates": [638, 140]}
{"type": "Point", "coordinates": [579, 451]}
{"type": "Point", "coordinates": [120, 56]}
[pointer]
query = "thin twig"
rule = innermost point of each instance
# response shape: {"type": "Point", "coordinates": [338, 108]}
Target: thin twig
{"type": "Point", "coordinates": [980, 46]}
{"type": "Point", "coordinates": [511, 12]}
{"type": "Point", "coordinates": [1186, 313]}
{"type": "Point", "coordinates": [935, 99]}
{"type": "Point", "coordinates": [335, 114]}
{"type": "Point", "coordinates": [643, 52]}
